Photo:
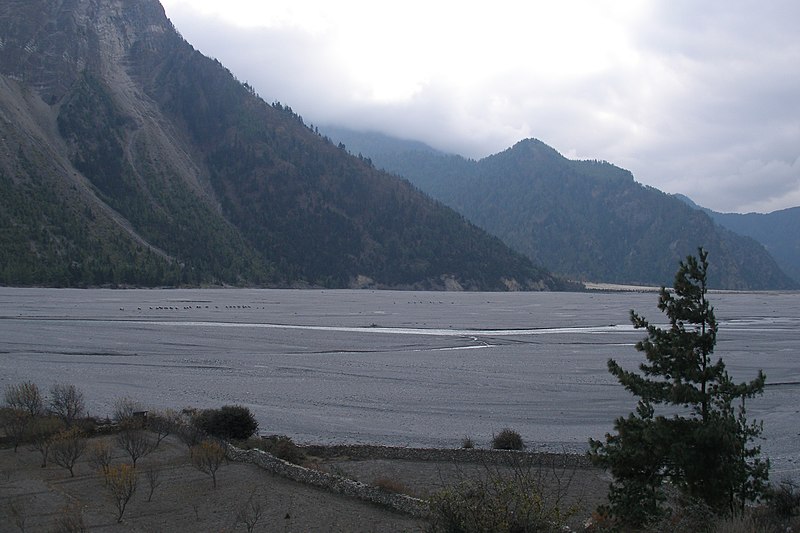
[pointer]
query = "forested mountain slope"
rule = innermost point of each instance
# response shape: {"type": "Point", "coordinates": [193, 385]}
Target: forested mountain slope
{"type": "Point", "coordinates": [778, 231]}
{"type": "Point", "coordinates": [130, 158]}
{"type": "Point", "coordinates": [587, 220]}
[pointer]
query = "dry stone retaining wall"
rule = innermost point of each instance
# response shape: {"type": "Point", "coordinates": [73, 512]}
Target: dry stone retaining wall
{"type": "Point", "coordinates": [337, 484]}
{"type": "Point", "coordinates": [445, 455]}
{"type": "Point", "coordinates": [398, 502]}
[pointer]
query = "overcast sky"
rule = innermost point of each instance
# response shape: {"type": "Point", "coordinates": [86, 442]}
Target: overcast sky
{"type": "Point", "coordinates": [701, 98]}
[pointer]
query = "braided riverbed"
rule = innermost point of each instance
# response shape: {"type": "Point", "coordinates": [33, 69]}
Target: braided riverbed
{"type": "Point", "coordinates": [416, 369]}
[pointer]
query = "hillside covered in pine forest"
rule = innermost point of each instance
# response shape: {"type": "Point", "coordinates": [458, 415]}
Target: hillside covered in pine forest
{"type": "Point", "coordinates": [585, 220]}
{"type": "Point", "coordinates": [129, 158]}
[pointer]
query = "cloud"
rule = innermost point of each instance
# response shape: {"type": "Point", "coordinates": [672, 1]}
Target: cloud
{"type": "Point", "coordinates": [697, 98]}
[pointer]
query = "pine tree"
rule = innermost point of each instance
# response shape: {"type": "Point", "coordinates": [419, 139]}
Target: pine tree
{"type": "Point", "coordinates": [703, 445]}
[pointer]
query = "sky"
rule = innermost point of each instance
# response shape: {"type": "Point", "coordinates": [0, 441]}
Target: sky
{"type": "Point", "coordinates": [698, 98]}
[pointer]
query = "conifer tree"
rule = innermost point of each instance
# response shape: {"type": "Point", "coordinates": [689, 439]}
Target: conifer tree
{"type": "Point", "coordinates": [703, 446]}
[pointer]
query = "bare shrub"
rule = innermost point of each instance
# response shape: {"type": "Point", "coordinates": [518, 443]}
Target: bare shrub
{"type": "Point", "coordinates": [66, 402]}
{"type": "Point", "coordinates": [121, 481]}
{"type": "Point", "coordinates": [100, 455]}
{"type": "Point", "coordinates": [467, 443]}
{"type": "Point", "coordinates": [784, 499]}
{"type": "Point", "coordinates": [18, 513]}
{"type": "Point", "coordinates": [163, 423]}
{"type": "Point", "coordinates": [757, 519]}
{"type": "Point", "coordinates": [514, 497]}
{"type": "Point", "coordinates": [250, 513]}
{"type": "Point", "coordinates": [66, 449]}
{"type": "Point", "coordinates": [152, 474]}
{"type": "Point", "coordinates": [40, 434]}
{"type": "Point", "coordinates": [189, 434]}
{"type": "Point", "coordinates": [391, 485]}
{"type": "Point", "coordinates": [25, 397]}
{"type": "Point", "coordinates": [208, 457]}
{"type": "Point", "coordinates": [682, 515]}
{"type": "Point", "coordinates": [124, 411]}
{"type": "Point", "coordinates": [282, 447]}
{"type": "Point", "coordinates": [15, 424]}
{"type": "Point", "coordinates": [738, 524]}
{"type": "Point", "coordinates": [70, 519]}
{"type": "Point", "coordinates": [136, 442]}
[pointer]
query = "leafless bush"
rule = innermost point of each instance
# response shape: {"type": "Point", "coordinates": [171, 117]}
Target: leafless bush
{"type": "Point", "coordinates": [66, 449]}
{"type": "Point", "coordinates": [190, 435]}
{"type": "Point", "coordinates": [391, 485]}
{"type": "Point", "coordinates": [522, 495]}
{"type": "Point", "coordinates": [100, 455]}
{"type": "Point", "coordinates": [18, 513]}
{"type": "Point", "coordinates": [692, 515]}
{"type": "Point", "coordinates": [250, 513]}
{"type": "Point", "coordinates": [40, 434]}
{"type": "Point", "coordinates": [136, 442]}
{"type": "Point", "coordinates": [152, 475]}
{"type": "Point", "coordinates": [70, 519]}
{"type": "Point", "coordinates": [282, 447]}
{"type": "Point", "coordinates": [784, 498]}
{"type": "Point", "coordinates": [66, 402]}
{"type": "Point", "coordinates": [121, 481]}
{"type": "Point", "coordinates": [163, 423]}
{"type": "Point", "coordinates": [124, 411]}
{"type": "Point", "coordinates": [208, 457]}
{"type": "Point", "coordinates": [15, 424]}
{"type": "Point", "coordinates": [25, 397]}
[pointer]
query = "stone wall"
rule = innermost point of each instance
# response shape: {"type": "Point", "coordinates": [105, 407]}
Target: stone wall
{"type": "Point", "coordinates": [398, 502]}
{"type": "Point", "coordinates": [444, 455]}
{"type": "Point", "coordinates": [336, 484]}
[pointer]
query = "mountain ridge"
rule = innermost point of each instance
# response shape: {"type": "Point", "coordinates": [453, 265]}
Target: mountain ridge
{"type": "Point", "coordinates": [586, 220]}
{"type": "Point", "coordinates": [778, 231]}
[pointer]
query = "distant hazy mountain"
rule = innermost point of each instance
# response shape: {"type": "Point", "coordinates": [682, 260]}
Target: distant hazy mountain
{"type": "Point", "coordinates": [587, 220]}
{"type": "Point", "coordinates": [130, 158]}
{"type": "Point", "coordinates": [377, 144]}
{"type": "Point", "coordinates": [778, 231]}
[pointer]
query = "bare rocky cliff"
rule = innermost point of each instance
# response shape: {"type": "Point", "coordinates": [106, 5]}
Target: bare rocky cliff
{"type": "Point", "coordinates": [46, 45]}
{"type": "Point", "coordinates": [45, 53]}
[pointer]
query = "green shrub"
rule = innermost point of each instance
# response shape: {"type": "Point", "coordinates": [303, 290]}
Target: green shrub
{"type": "Point", "coordinates": [229, 422]}
{"type": "Point", "coordinates": [508, 439]}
